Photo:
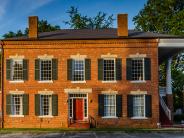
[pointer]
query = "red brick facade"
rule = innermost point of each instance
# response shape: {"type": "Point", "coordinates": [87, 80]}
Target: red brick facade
{"type": "Point", "coordinates": [93, 49]}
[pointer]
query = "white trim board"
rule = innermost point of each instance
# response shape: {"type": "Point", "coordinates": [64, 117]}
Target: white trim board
{"type": "Point", "coordinates": [79, 90]}
{"type": "Point", "coordinates": [172, 43]}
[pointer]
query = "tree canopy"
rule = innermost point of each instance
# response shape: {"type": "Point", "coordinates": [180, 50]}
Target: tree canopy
{"type": "Point", "coordinates": [79, 21]}
{"type": "Point", "coordinates": [76, 21]}
{"type": "Point", "coordinates": [166, 16]}
{"type": "Point", "coordinates": [43, 26]}
{"type": "Point", "coordinates": [163, 16]}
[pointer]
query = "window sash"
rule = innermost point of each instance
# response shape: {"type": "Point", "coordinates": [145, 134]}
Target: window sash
{"type": "Point", "coordinates": [45, 70]}
{"type": "Point", "coordinates": [139, 106]}
{"type": "Point", "coordinates": [85, 108]}
{"type": "Point", "coordinates": [17, 104]}
{"type": "Point", "coordinates": [78, 72]}
{"type": "Point", "coordinates": [46, 105]}
{"type": "Point", "coordinates": [109, 70]}
{"type": "Point", "coordinates": [17, 70]}
{"type": "Point", "coordinates": [138, 69]}
{"type": "Point", "coordinates": [109, 105]}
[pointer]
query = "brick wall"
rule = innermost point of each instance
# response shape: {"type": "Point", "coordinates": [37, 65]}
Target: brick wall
{"type": "Point", "coordinates": [93, 49]}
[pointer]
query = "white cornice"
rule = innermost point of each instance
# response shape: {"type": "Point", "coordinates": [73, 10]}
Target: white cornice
{"type": "Point", "coordinates": [172, 43]}
{"type": "Point", "coordinates": [78, 90]}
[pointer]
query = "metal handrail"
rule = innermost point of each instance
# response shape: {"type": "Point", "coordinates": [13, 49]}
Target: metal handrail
{"type": "Point", "coordinates": [92, 121]}
{"type": "Point", "coordinates": [165, 108]}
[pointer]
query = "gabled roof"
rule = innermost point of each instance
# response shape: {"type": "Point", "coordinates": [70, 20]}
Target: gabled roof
{"type": "Point", "coordinates": [84, 34]}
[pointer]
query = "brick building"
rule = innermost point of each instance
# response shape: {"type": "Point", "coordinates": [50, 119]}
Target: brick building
{"type": "Point", "coordinates": [82, 78]}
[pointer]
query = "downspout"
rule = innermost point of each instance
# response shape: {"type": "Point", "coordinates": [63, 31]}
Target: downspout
{"type": "Point", "coordinates": [2, 81]}
{"type": "Point", "coordinates": [159, 122]}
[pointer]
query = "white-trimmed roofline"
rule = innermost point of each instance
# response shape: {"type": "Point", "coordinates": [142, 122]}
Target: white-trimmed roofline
{"type": "Point", "coordinates": [172, 43]}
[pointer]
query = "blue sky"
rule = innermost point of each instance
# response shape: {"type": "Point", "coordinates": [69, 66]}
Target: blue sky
{"type": "Point", "coordinates": [14, 13]}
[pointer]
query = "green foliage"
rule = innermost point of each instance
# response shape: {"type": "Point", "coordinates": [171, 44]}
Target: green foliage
{"type": "Point", "coordinates": [43, 26]}
{"type": "Point", "coordinates": [162, 74]}
{"type": "Point", "coordinates": [177, 87]}
{"type": "Point", "coordinates": [78, 21]}
{"type": "Point", "coordinates": [10, 34]}
{"type": "Point", "coordinates": [166, 16]}
{"type": "Point", "coordinates": [163, 16]}
{"type": "Point", "coordinates": [178, 118]}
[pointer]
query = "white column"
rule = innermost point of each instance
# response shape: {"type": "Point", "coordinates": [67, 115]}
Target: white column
{"type": "Point", "coordinates": [168, 77]}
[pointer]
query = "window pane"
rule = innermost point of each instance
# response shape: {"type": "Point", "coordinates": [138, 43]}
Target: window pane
{"type": "Point", "coordinates": [46, 104]}
{"type": "Point", "coordinates": [137, 69]}
{"type": "Point", "coordinates": [109, 70]}
{"type": "Point", "coordinates": [17, 70]}
{"type": "Point", "coordinates": [85, 107]}
{"type": "Point", "coordinates": [78, 70]}
{"type": "Point", "coordinates": [109, 105]}
{"type": "Point", "coordinates": [46, 69]}
{"type": "Point", "coordinates": [70, 106]}
{"type": "Point", "coordinates": [138, 106]}
{"type": "Point", "coordinates": [17, 104]}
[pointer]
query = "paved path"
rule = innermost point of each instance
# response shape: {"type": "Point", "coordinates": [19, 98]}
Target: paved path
{"type": "Point", "coordinates": [95, 135]}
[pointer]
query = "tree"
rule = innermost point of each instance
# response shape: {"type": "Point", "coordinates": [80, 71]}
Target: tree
{"type": "Point", "coordinates": [161, 16]}
{"type": "Point", "coordinates": [43, 26]}
{"type": "Point", "coordinates": [78, 21]}
{"type": "Point", "coordinates": [166, 16]}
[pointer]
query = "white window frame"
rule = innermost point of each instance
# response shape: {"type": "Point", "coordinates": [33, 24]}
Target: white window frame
{"type": "Point", "coordinates": [50, 106]}
{"type": "Point", "coordinates": [13, 104]}
{"type": "Point", "coordinates": [45, 81]}
{"type": "Point", "coordinates": [12, 71]}
{"type": "Point", "coordinates": [115, 116]}
{"type": "Point", "coordinates": [110, 81]}
{"type": "Point", "coordinates": [144, 116]}
{"type": "Point", "coordinates": [143, 80]}
{"type": "Point", "coordinates": [73, 64]}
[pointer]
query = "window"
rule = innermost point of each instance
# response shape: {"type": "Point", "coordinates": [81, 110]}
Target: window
{"type": "Point", "coordinates": [138, 69]}
{"type": "Point", "coordinates": [109, 69]}
{"type": "Point", "coordinates": [71, 107]}
{"type": "Point", "coordinates": [85, 108]}
{"type": "Point", "coordinates": [139, 106]}
{"type": "Point", "coordinates": [110, 105]}
{"type": "Point", "coordinates": [17, 105]}
{"type": "Point", "coordinates": [46, 105]}
{"type": "Point", "coordinates": [45, 70]}
{"type": "Point", "coordinates": [78, 70]}
{"type": "Point", "coordinates": [17, 70]}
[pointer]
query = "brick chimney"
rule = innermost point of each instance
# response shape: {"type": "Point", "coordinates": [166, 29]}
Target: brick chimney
{"type": "Point", "coordinates": [33, 27]}
{"type": "Point", "coordinates": [122, 23]}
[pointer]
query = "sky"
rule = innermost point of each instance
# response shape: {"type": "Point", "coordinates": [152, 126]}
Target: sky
{"type": "Point", "coordinates": [14, 13]}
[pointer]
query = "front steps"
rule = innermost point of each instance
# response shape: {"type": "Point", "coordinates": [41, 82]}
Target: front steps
{"type": "Point", "coordinates": [165, 122]}
{"type": "Point", "coordinates": [80, 125]}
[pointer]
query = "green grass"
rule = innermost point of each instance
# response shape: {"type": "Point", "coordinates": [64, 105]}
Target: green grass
{"type": "Point", "coordinates": [109, 130]}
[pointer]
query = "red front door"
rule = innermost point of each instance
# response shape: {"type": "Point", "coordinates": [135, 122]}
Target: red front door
{"type": "Point", "coordinates": [78, 109]}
